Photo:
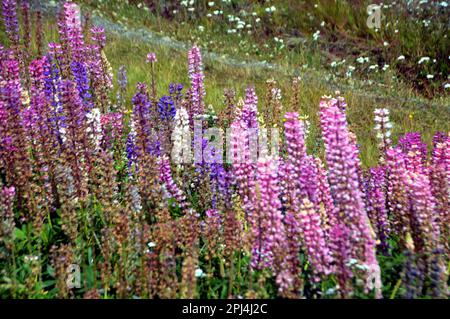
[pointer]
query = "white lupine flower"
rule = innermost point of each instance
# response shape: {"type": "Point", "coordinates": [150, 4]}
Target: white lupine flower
{"type": "Point", "coordinates": [94, 128]}
{"type": "Point", "coordinates": [181, 137]}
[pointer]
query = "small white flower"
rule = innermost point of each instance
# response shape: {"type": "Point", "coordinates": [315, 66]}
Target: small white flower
{"type": "Point", "coordinates": [400, 58]}
{"type": "Point", "coordinates": [362, 59]}
{"type": "Point", "coordinates": [316, 35]}
{"type": "Point", "coordinates": [447, 86]}
{"type": "Point", "coordinates": [443, 4]}
{"type": "Point", "coordinates": [423, 59]}
{"type": "Point", "coordinates": [322, 23]}
{"type": "Point", "coordinates": [385, 67]}
{"type": "Point", "coordinates": [385, 43]}
{"type": "Point", "coordinates": [151, 244]}
{"type": "Point", "coordinates": [430, 76]}
{"type": "Point", "coordinates": [373, 67]}
{"type": "Point", "coordinates": [201, 28]}
{"type": "Point", "coordinates": [199, 273]}
{"type": "Point", "coordinates": [211, 3]}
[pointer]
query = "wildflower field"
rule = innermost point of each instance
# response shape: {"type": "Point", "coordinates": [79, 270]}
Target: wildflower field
{"type": "Point", "coordinates": [224, 149]}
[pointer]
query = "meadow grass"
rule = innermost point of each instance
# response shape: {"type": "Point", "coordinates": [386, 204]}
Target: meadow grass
{"type": "Point", "coordinates": [409, 111]}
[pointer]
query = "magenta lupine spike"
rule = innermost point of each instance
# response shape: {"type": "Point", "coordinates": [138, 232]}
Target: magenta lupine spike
{"type": "Point", "coordinates": [73, 31]}
{"type": "Point", "coordinates": [376, 206]}
{"type": "Point", "coordinates": [340, 245]}
{"type": "Point", "coordinates": [425, 230]}
{"type": "Point", "coordinates": [308, 180]}
{"type": "Point", "coordinates": [295, 139]}
{"type": "Point", "coordinates": [101, 79]}
{"type": "Point", "coordinates": [266, 220]}
{"type": "Point", "coordinates": [440, 184]}
{"type": "Point", "coordinates": [296, 152]}
{"type": "Point", "coordinates": [397, 198]}
{"type": "Point", "coordinates": [172, 189]}
{"type": "Point", "coordinates": [195, 70]}
{"type": "Point", "coordinates": [344, 179]}
{"type": "Point", "coordinates": [9, 10]}
{"type": "Point", "coordinates": [250, 110]}
{"type": "Point", "coordinates": [325, 200]}
{"type": "Point", "coordinates": [151, 57]}
{"type": "Point", "coordinates": [313, 239]}
{"type": "Point", "coordinates": [415, 150]}
{"type": "Point", "coordinates": [98, 36]}
{"type": "Point", "coordinates": [243, 166]}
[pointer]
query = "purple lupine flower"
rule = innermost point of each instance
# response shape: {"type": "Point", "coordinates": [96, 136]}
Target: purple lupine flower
{"type": "Point", "coordinates": [250, 110]}
{"type": "Point", "coordinates": [340, 244]}
{"type": "Point", "coordinates": [98, 36]}
{"type": "Point", "coordinates": [268, 234]}
{"type": "Point", "coordinates": [415, 150]}
{"type": "Point", "coordinates": [344, 181]}
{"type": "Point", "coordinates": [172, 189]}
{"type": "Point", "coordinates": [440, 184]}
{"type": "Point", "coordinates": [376, 206]}
{"type": "Point", "coordinates": [314, 240]}
{"type": "Point", "coordinates": [52, 86]}
{"type": "Point", "coordinates": [73, 31]}
{"type": "Point", "coordinates": [9, 10]}
{"type": "Point", "coordinates": [424, 229]}
{"type": "Point", "coordinates": [397, 198]}
{"type": "Point", "coordinates": [81, 79]}
{"type": "Point", "coordinates": [122, 80]}
{"type": "Point", "coordinates": [166, 108]}
{"type": "Point", "coordinates": [243, 168]}
{"type": "Point", "coordinates": [151, 57]}
{"type": "Point", "coordinates": [195, 69]}
{"type": "Point", "coordinates": [326, 203]}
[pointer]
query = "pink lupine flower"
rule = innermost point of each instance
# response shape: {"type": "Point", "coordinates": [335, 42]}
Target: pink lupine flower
{"type": "Point", "coordinates": [171, 188]}
{"type": "Point", "coordinates": [243, 167]}
{"type": "Point", "coordinates": [376, 205]}
{"type": "Point", "coordinates": [266, 219]}
{"type": "Point", "coordinates": [9, 10]}
{"type": "Point", "coordinates": [424, 227]}
{"type": "Point", "coordinates": [250, 110]}
{"type": "Point", "coordinates": [151, 57]}
{"type": "Point", "coordinates": [195, 70]}
{"type": "Point", "coordinates": [345, 185]}
{"type": "Point", "coordinates": [415, 150]}
{"type": "Point", "coordinates": [313, 238]}
{"type": "Point", "coordinates": [440, 184]}
{"type": "Point", "coordinates": [397, 198]}
{"type": "Point", "coordinates": [73, 31]}
{"type": "Point", "coordinates": [325, 199]}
